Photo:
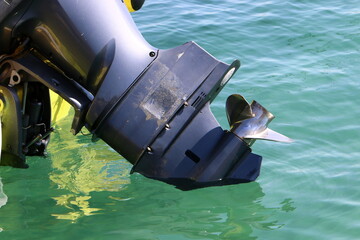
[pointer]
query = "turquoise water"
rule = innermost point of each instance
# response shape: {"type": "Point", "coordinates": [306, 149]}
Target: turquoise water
{"type": "Point", "coordinates": [300, 59]}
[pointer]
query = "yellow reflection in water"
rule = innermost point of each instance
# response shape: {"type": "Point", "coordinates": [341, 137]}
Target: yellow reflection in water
{"type": "Point", "coordinates": [78, 205]}
{"type": "Point", "coordinates": [80, 167]}
{"type": "Point", "coordinates": [85, 174]}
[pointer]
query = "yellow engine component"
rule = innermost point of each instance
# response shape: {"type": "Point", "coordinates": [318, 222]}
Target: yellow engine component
{"type": "Point", "coordinates": [59, 108]}
{"type": "Point", "coordinates": [134, 5]}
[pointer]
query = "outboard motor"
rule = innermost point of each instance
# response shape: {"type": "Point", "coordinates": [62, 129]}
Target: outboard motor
{"type": "Point", "coordinates": [150, 105]}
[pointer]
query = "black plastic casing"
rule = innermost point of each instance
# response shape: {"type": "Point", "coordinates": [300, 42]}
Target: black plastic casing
{"type": "Point", "coordinates": [150, 105]}
{"type": "Point", "coordinates": [171, 134]}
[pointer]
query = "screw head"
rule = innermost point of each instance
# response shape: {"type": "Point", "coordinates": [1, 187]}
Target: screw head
{"type": "Point", "coordinates": [152, 54]}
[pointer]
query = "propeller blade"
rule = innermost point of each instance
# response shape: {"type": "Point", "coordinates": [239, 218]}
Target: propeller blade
{"type": "Point", "coordinates": [237, 109]}
{"type": "Point", "coordinates": [255, 127]}
{"type": "Point", "coordinates": [270, 135]}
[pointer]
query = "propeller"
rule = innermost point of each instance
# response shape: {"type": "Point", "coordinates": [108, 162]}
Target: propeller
{"type": "Point", "coordinates": [250, 121]}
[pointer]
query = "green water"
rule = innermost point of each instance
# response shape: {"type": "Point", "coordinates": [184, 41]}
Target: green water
{"type": "Point", "coordinates": [300, 59]}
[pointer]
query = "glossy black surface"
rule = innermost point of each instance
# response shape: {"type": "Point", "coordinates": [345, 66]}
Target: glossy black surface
{"type": "Point", "coordinates": [152, 106]}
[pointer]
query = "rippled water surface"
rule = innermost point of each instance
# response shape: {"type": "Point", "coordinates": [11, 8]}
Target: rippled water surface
{"type": "Point", "coordinates": [300, 59]}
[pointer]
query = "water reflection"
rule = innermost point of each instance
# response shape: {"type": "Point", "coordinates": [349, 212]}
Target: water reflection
{"type": "Point", "coordinates": [80, 168]}
{"type": "Point", "coordinates": [92, 180]}
{"type": "Point", "coordinates": [78, 206]}
{"type": "Point", "coordinates": [3, 197]}
{"type": "Point", "coordinates": [230, 212]}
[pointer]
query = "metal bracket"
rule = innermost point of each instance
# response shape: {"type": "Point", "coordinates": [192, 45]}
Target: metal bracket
{"type": "Point", "coordinates": [72, 92]}
{"type": "Point", "coordinates": [14, 78]}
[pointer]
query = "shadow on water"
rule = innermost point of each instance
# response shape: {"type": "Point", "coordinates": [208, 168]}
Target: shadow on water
{"type": "Point", "coordinates": [157, 211]}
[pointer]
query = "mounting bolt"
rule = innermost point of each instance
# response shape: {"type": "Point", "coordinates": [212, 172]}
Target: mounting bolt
{"type": "Point", "coordinates": [167, 126]}
{"type": "Point", "coordinates": [152, 54]}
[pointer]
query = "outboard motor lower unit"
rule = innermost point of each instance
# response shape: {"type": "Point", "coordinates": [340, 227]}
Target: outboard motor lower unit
{"type": "Point", "coordinates": [150, 105]}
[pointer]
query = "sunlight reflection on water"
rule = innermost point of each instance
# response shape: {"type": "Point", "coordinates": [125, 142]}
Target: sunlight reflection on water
{"type": "Point", "coordinates": [3, 197]}
{"type": "Point", "coordinates": [81, 170]}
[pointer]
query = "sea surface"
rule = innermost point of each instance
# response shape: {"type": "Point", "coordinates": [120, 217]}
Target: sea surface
{"type": "Point", "coordinates": [300, 59]}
